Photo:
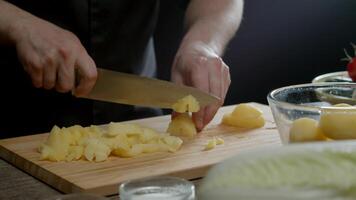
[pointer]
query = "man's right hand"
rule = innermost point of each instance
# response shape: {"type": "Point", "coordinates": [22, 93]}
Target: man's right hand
{"type": "Point", "coordinates": [52, 56]}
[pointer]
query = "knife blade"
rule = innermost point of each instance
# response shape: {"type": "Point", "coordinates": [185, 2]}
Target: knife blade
{"type": "Point", "coordinates": [123, 88]}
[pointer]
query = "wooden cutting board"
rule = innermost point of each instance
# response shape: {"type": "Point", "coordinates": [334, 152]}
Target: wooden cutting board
{"type": "Point", "coordinates": [190, 162]}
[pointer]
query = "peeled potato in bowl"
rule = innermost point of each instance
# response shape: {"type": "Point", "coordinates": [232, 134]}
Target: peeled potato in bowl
{"type": "Point", "coordinates": [305, 129]}
{"type": "Point", "coordinates": [339, 122]}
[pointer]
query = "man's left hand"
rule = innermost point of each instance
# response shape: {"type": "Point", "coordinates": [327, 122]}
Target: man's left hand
{"type": "Point", "coordinates": [198, 66]}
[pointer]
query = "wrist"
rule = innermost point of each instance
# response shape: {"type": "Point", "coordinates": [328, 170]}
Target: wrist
{"type": "Point", "coordinates": [203, 34]}
{"type": "Point", "coordinates": [17, 29]}
{"type": "Point", "coordinates": [196, 47]}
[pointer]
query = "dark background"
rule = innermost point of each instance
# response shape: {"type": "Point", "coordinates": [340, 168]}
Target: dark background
{"type": "Point", "coordinates": [279, 43]}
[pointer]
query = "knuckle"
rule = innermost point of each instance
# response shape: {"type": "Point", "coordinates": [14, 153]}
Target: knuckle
{"type": "Point", "coordinates": [35, 66]}
{"type": "Point", "coordinates": [65, 51]}
{"type": "Point", "coordinates": [48, 60]}
{"type": "Point", "coordinates": [92, 75]}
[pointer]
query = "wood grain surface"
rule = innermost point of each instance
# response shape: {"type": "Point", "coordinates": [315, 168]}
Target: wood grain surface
{"type": "Point", "coordinates": [104, 178]}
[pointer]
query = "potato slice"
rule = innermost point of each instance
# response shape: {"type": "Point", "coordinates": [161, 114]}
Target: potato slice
{"type": "Point", "coordinates": [305, 129]}
{"type": "Point", "coordinates": [182, 125]}
{"type": "Point", "coordinates": [186, 104]}
{"type": "Point", "coordinates": [246, 111]}
{"type": "Point", "coordinates": [244, 116]}
{"type": "Point", "coordinates": [249, 123]}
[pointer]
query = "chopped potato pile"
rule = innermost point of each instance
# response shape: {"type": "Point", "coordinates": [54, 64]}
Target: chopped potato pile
{"type": "Point", "coordinates": [96, 144]}
{"type": "Point", "coordinates": [334, 124]}
{"type": "Point", "coordinates": [183, 125]}
{"type": "Point", "coordinates": [244, 116]}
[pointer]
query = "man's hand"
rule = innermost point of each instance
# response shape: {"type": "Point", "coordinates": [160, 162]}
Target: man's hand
{"type": "Point", "coordinates": [210, 25]}
{"type": "Point", "coordinates": [198, 66]}
{"type": "Point", "coordinates": [52, 55]}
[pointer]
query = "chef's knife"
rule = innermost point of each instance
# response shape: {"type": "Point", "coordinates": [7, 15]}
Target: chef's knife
{"type": "Point", "coordinates": [117, 87]}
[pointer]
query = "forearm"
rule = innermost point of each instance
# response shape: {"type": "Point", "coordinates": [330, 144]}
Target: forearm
{"type": "Point", "coordinates": [212, 22]}
{"type": "Point", "coordinates": [10, 18]}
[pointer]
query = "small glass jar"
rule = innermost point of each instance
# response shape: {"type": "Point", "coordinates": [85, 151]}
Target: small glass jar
{"type": "Point", "coordinates": [157, 188]}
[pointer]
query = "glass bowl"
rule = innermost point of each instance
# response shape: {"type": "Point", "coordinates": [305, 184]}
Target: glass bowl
{"type": "Point", "coordinates": [312, 101]}
{"type": "Point", "coordinates": [157, 188]}
{"type": "Point", "coordinates": [341, 76]}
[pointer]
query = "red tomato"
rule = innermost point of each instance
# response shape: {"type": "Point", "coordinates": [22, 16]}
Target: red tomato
{"type": "Point", "coordinates": [351, 66]}
{"type": "Point", "coordinates": [351, 69]}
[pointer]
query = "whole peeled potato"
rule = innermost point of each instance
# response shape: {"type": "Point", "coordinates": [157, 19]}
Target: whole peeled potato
{"type": "Point", "coordinates": [305, 129]}
{"type": "Point", "coordinates": [339, 123]}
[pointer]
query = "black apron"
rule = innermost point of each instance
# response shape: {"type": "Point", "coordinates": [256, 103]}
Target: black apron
{"type": "Point", "coordinates": [118, 36]}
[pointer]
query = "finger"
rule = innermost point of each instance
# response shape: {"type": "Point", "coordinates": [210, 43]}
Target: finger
{"type": "Point", "coordinates": [65, 76]}
{"type": "Point", "coordinates": [34, 69]}
{"type": "Point", "coordinates": [87, 75]}
{"type": "Point", "coordinates": [36, 76]}
{"type": "Point", "coordinates": [49, 76]}
{"type": "Point", "coordinates": [178, 79]}
{"type": "Point", "coordinates": [216, 84]}
{"type": "Point", "coordinates": [227, 79]}
{"type": "Point", "coordinates": [198, 79]}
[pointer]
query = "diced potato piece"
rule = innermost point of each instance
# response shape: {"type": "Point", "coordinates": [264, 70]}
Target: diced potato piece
{"type": "Point", "coordinates": [186, 104]}
{"type": "Point", "coordinates": [172, 143]}
{"type": "Point", "coordinates": [74, 153]}
{"type": "Point", "coordinates": [115, 129]}
{"type": "Point", "coordinates": [182, 125]}
{"type": "Point", "coordinates": [133, 151]}
{"type": "Point", "coordinates": [305, 129]}
{"type": "Point", "coordinates": [211, 144]}
{"type": "Point", "coordinates": [133, 139]}
{"type": "Point", "coordinates": [339, 123]}
{"type": "Point", "coordinates": [111, 142]}
{"type": "Point", "coordinates": [90, 132]}
{"type": "Point", "coordinates": [149, 135]}
{"type": "Point", "coordinates": [244, 116]}
{"type": "Point", "coordinates": [56, 147]}
{"type": "Point", "coordinates": [96, 150]}
{"type": "Point", "coordinates": [76, 133]}
{"type": "Point", "coordinates": [219, 141]}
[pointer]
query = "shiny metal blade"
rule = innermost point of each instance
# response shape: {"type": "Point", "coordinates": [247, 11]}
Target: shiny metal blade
{"type": "Point", "coordinates": [131, 89]}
